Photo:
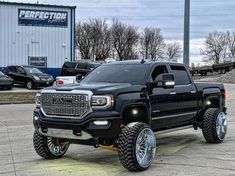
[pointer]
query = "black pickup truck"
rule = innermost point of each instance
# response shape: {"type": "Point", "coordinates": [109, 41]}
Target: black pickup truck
{"type": "Point", "coordinates": [119, 106]}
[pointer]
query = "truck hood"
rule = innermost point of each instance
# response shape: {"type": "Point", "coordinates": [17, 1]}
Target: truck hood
{"type": "Point", "coordinates": [101, 88]}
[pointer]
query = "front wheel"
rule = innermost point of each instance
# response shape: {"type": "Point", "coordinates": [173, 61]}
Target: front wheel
{"type": "Point", "coordinates": [136, 146]}
{"type": "Point", "coordinates": [48, 147]}
{"type": "Point", "coordinates": [29, 85]}
{"type": "Point", "coordinates": [214, 125]}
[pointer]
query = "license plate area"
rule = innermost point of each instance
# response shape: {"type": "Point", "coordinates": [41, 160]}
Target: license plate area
{"type": "Point", "coordinates": [65, 134]}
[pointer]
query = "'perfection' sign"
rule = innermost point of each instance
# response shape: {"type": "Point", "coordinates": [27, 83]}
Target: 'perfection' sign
{"type": "Point", "coordinates": [32, 17]}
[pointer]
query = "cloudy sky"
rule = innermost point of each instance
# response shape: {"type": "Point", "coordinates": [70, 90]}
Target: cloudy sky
{"type": "Point", "coordinates": [206, 16]}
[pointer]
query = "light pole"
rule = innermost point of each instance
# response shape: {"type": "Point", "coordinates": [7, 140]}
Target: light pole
{"type": "Point", "coordinates": [186, 32]}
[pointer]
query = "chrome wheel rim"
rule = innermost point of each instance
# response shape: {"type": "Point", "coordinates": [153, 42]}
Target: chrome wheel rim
{"type": "Point", "coordinates": [145, 147]}
{"type": "Point", "coordinates": [221, 125]}
{"type": "Point", "coordinates": [29, 85]}
{"type": "Point", "coordinates": [56, 149]}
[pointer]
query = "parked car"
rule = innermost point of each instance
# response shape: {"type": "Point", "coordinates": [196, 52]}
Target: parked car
{"type": "Point", "coordinates": [6, 82]}
{"type": "Point", "coordinates": [119, 106]}
{"type": "Point", "coordinates": [29, 76]}
{"type": "Point", "coordinates": [78, 67]}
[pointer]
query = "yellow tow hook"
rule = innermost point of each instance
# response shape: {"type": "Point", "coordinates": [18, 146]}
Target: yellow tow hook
{"type": "Point", "coordinates": [112, 148]}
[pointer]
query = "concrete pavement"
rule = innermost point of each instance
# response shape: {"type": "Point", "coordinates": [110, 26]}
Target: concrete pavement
{"type": "Point", "coordinates": [179, 153]}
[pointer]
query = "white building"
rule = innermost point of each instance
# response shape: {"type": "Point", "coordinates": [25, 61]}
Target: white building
{"type": "Point", "coordinates": [36, 34]}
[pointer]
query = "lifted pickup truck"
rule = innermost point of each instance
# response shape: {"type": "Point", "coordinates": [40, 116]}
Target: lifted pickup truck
{"type": "Point", "coordinates": [119, 106]}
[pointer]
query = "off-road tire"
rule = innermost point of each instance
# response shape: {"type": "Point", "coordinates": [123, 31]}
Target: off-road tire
{"type": "Point", "coordinates": [41, 147]}
{"type": "Point", "coordinates": [209, 125]}
{"type": "Point", "coordinates": [127, 146]}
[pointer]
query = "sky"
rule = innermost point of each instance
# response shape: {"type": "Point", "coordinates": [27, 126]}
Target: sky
{"type": "Point", "coordinates": [206, 16]}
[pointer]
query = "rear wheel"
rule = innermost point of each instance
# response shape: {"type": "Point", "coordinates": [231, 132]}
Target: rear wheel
{"type": "Point", "coordinates": [214, 125]}
{"type": "Point", "coordinates": [136, 146]}
{"type": "Point", "coordinates": [48, 147]}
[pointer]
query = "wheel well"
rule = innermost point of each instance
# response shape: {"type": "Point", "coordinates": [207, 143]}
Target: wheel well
{"type": "Point", "coordinates": [212, 103]}
{"type": "Point", "coordinates": [135, 114]}
{"type": "Point", "coordinates": [28, 79]}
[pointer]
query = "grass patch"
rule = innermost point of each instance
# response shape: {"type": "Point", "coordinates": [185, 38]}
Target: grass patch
{"type": "Point", "coordinates": [17, 97]}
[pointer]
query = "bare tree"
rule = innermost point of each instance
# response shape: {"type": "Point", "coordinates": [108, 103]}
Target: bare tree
{"type": "Point", "coordinates": [173, 51]}
{"type": "Point", "coordinates": [231, 43]}
{"type": "Point", "coordinates": [156, 44]}
{"type": "Point", "coordinates": [100, 38]}
{"type": "Point", "coordinates": [124, 39]}
{"type": "Point", "coordinates": [145, 40]}
{"type": "Point", "coordinates": [215, 46]}
{"type": "Point", "coordinates": [83, 41]}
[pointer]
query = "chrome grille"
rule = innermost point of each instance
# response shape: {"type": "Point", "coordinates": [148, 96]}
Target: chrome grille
{"type": "Point", "coordinates": [64, 104]}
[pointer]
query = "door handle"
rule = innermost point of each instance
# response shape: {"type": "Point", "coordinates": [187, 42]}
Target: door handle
{"type": "Point", "coordinates": [193, 91]}
{"type": "Point", "coordinates": [173, 93]}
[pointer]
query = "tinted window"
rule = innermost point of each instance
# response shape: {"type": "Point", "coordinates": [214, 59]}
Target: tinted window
{"type": "Point", "coordinates": [133, 74]}
{"type": "Point", "coordinates": [20, 70]}
{"type": "Point", "coordinates": [1, 73]}
{"type": "Point", "coordinates": [158, 71]}
{"type": "Point", "coordinates": [32, 70]}
{"type": "Point", "coordinates": [81, 66]}
{"type": "Point", "coordinates": [181, 75]}
{"type": "Point", "coordinates": [69, 64]}
{"type": "Point", "coordinates": [12, 69]}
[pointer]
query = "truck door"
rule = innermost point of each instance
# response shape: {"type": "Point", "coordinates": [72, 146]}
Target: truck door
{"type": "Point", "coordinates": [186, 95]}
{"type": "Point", "coordinates": [163, 103]}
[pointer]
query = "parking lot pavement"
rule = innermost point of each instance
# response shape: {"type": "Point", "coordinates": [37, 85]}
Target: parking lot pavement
{"type": "Point", "coordinates": [179, 153]}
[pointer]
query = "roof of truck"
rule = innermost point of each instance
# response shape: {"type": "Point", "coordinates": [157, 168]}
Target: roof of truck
{"type": "Point", "coordinates": [146, 62]}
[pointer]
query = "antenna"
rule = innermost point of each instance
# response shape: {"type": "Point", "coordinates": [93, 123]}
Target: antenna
{"type": "Point", "coordinates": [142, 61]}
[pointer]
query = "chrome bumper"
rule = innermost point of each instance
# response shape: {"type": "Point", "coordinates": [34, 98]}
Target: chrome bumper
{"type": "Point", "coordinates": [65, 134]}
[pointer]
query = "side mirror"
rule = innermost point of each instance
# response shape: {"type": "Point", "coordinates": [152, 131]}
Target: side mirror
{"type": "Point", "coordinates": [166, 81]}
{"type": "Point", "coordinates": [78, 77]}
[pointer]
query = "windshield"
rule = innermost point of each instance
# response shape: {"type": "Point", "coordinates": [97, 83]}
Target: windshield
{"type": "Point", "coordinates": [133, 74]}
{"type": "Point", "coordinates": [32, 70]}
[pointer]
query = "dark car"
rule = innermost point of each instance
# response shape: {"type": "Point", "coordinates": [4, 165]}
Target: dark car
{"type": "Point", "coordinates": [119, 106]}
{"type": "Point", "coordinates": [77, 68]}
{"type": "Point", "coordinates": [29, 76]}
{"type": "Point", "coordinates": [6, 82]}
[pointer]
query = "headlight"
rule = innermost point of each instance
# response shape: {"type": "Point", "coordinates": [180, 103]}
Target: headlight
{"type": "Point", "coordinates": [36, 78]}
{"type": "Point", "coordinates": [102, 102]}
{"type": "Point", "coordinates": [38, 99]}
{"type": "Point", "coordinates": [51, 78]}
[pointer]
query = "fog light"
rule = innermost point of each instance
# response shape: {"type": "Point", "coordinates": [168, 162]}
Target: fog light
{"type": "Point", "coordinates": [35, 117]}
{"type": "Point", "coordinates": [208, 103]}
{"type": "Point", "coordinates": [134, 111]}
{"type": "Point", "coordinates": [103, 122]}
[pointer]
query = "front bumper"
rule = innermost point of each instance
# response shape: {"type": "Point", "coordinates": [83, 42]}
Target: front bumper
{"type": "Point", "coordinates": [84, 126]}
